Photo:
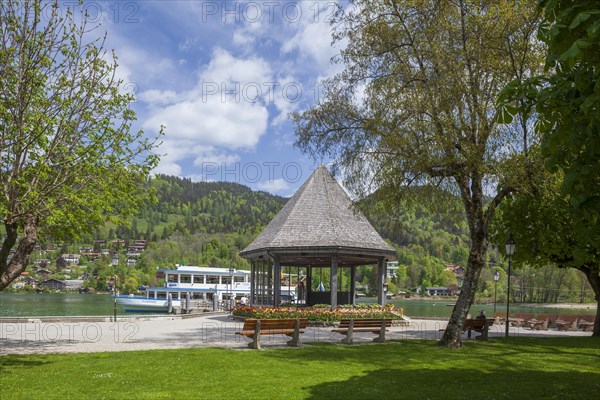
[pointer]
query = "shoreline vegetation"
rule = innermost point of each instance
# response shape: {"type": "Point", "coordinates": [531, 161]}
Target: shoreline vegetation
{"type": "Point", "coordinates": [578, 306]}
{"type": "Point", "coordinates": [544, 305]}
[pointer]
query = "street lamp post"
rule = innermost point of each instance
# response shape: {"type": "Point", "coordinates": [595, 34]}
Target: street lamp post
{"type": "Point", "coordinates": [510, 250]}
{"type": "Point", "coordinates": [496, 278]}
{"type": "Point", "coordinates": [115, 299]}
{"type": "Point", "coordinates": [231, 297]}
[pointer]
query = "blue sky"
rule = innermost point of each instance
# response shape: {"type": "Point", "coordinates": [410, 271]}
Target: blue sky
{"type": "Point", "coordinates": [222, 76]}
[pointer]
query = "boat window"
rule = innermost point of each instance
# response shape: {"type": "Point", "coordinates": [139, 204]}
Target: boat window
{"type": "Point", "coordinates": [185, 278]}
{"type": "Point", "coordinates": [172, 278]}
{"type": "Point", "coordinates": [225, 280]}
{"type": "Point", "coordinates": [238, 279]}
{"type": "Point", "coordinates": [198, 278]}
{"type": "Point", "coordinates": [212, 279]}
{"type": "Point", "coordinates": [161, 295]}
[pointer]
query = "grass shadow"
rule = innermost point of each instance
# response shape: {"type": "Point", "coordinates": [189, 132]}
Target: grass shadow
{"type": "Point", "coordinates": [424, 383]}
{"type": "Point", "coordinates": [9, 361]}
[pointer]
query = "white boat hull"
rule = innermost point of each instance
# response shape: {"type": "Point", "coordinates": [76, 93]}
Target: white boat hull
{"type": "Point", "coordinates": [142, 304]}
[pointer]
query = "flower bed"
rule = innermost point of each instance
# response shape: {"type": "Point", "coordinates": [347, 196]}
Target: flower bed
{"type": "Point", "coordinates": [321, 312]}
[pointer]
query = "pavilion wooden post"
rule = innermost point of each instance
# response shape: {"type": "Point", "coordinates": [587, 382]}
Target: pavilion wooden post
{"type": "Point", "coordinates": [252, 283]}
{"type": "Point", "coordinates": [277, 283]}
{"type": "Point", "coordinates": [353, 285]}
{"type": "Point", "coordinates": [308, 286]}
{"type": "Point", "coordinates": [381, 281]}
{"type": "Point", "coordinates": [333, 281]}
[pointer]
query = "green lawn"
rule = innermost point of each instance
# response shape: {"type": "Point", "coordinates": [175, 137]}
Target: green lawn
{"type": "Point", "coordinates": [516, 368]}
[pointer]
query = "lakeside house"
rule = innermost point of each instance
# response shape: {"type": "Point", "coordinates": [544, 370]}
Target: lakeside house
{"type": "Point", "coordinates": [391, 269]}
{"type": "Point", "coordinates": [52, 284]}
{"type": "Point", "coordinates": [73, 284]}
{"type": "Point", "coordinates": [43, 273]}
{"type": "Point", "coordinates": [436, 291]}
{"type": "Point", "coordinates": [71, 258]}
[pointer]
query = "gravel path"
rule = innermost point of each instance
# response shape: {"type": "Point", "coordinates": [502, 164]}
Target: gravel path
{"type": "Point", "coordinates": [128, 334]}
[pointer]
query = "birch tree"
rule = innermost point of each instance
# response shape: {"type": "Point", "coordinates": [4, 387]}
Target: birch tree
{"type": "Point", "coordinates": [415, 105]}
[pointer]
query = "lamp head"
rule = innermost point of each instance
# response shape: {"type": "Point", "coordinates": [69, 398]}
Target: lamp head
{"type": "Point", "coordinates": [510, 245]}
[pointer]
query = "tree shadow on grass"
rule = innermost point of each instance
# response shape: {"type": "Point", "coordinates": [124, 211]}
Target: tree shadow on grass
{"type": "Point", "coordinates": [7, 362]}
{"type": "Point", "coordinates": [406, 383]}
{"type": "Point", "coordinates": [403, 351]}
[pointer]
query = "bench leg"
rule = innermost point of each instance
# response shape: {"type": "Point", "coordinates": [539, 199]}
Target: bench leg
{"type": "Point", "coordinates": [484, 332]}
{"type": "Point", "coordinates": [255, 343]}
{"type": "Point", "coordinates": [381, 337]}
{"type": "Point", "coordinates": [573, 326]}
{"type": "Point", "coordinates": [295, 342]}
{"type": "Point", "coordinates": [349, 339]}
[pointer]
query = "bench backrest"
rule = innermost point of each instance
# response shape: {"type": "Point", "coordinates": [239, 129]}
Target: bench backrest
{"type": "Point", "coordinates": [524, 316]}
{"type": "Point", "coordinates": [547, 317]}
{"type": "Point", "coordinates": [588, 318]}
{"type": "Point", "coordinates": [266, 324]}
{"type": "Point", "coordinates": [366, 322]}
{"type": "Point", "coordinates": [568, 317]}
{"type": "Point", "coordinates": [475, 323]}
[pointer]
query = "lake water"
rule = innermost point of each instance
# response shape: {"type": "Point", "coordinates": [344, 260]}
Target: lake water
{"type": "Point", "coordinates": [58, 304]}
{"type": "Point", "coordinates": [36, 305]}
{"type": "Point", "coordinates": [443, 308]}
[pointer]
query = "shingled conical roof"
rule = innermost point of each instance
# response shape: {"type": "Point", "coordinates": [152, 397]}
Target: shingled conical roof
{"type": "Point", "coordinates": [320, 218]}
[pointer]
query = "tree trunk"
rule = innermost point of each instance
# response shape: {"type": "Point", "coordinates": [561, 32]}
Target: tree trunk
{"type": "Point", "coordinates": [592, 272]}
{"type": "Point", "coordinates": [10, 270]}
{"type": "Point", "coordinates": [452, 334]}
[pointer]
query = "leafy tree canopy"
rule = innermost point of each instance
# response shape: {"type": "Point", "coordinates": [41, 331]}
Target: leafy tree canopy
{"type": "Point", "coordinates": [566, 99]}
{"type": "Point", "coordinates": [558, 221]}
{"type": "Point", "coordinates": [415, 105]}
{"type": "Point", "coordinates": [69, 160]}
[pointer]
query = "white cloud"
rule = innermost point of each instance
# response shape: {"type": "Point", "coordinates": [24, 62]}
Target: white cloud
{"type": "Point", "coordinates": [242, 38]}
{"type": "Point", "coordinates": [275, 186]}
{"type": "Point", "coordinates": [167, 168]}
{"type": "Point", "coordinates": [312, 39]}
{"type": "Point", "coordinates": [218, 105]}
{"type": "Point", "coordinates": [212, 122]}
{"type": "Point", "coordinates": [211, 155]}
{"type": "Point", "coordinates": [158, 97]}
{"type": "Point", "coordinates": [226, 111]}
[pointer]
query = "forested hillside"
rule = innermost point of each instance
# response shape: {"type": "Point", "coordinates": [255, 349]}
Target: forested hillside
{"type": "Point", "coordinates": [425, 241]}
{"type": "Point", "coordinates": [184, 207]}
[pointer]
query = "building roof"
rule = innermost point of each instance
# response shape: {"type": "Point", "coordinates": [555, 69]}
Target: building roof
{"type": "Point", "coordinates": [320, 218]}
{"type": "Point", "coordinates": [206, 270]}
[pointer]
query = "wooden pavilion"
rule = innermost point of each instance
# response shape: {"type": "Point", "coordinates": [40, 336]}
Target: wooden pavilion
{"type": "Point", "coordinates": [318, 228]}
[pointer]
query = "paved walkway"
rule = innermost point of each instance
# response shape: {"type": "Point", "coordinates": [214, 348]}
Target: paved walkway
{"type": "Point", "coordinates": [127, 334]}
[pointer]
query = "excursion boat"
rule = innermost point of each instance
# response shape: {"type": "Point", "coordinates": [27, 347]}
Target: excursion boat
{"type": "Point", "coordinates": [200, 284]}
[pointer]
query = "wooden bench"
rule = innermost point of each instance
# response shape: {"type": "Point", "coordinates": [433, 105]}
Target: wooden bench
{"type": "Point", "coordinates": [378, 326]}
{"type": "Point", "coordinates": [521, 319]}
{"type": "Point", "coordinates": [542, 321]}
{"type": "Point", "coordinates": [255, 328]}
{"type": "Point", "coordinates": [500, 317]}
{"type": "Point", "coordinates": [586, 322]}
{"type": "Point", "coordinates": [481, 325]}
{"type": "Point", "coordinates": [567, 322]}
